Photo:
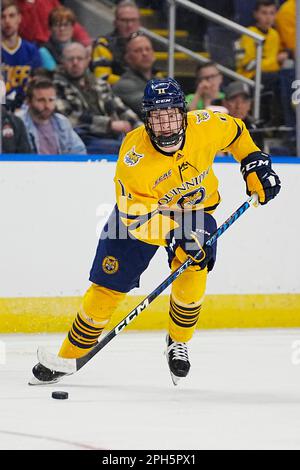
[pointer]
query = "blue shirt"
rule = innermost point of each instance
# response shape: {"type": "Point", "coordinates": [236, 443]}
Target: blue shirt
{"type": "Point", "coordinates": [17, 64]}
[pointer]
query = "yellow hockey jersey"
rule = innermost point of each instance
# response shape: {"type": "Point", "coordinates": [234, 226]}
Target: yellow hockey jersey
{"type": "Point", "coordinates": [286, 24]}
{"type": "Point", "coordinates": [150, 183]}
{"type": "Point", "coordinates": [271, 49]}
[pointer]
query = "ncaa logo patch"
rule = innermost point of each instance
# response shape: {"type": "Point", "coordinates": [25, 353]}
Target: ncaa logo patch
{"type": "Point", "coordinates": [110, 265]}
{"type": "Point", "coordinates": [192, 199]}
{"type": "Point", "coordinates": [132, 158]}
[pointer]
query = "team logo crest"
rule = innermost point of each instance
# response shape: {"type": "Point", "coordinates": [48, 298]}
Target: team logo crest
{"type": "Point", "coordinates": [192, 199]}
{"type": "Point", "coordinates": [202, 116]}
{"type": "Point", "coordinates": [132, 158]}
{"type": "Point", "coordinates": [110, 265]}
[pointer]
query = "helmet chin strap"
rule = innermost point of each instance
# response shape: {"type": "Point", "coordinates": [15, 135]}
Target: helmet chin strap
{"type": "Point", "coordinates": [171, 148]}
{"type": "Point", "coordinates": [170, 141]}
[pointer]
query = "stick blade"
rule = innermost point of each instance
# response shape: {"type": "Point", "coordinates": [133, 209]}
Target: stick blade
{"type": "Point", "coordinates": [53, 362]}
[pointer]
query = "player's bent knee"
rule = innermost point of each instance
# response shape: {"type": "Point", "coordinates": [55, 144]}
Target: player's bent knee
{"type": "Point", "coordinates": [100, 302]}
{"type": "Point", "coordinates": [189, 288]}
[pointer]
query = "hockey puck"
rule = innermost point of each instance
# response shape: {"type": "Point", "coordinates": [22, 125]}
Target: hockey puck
{"type": "Point", "coordinates": [60, 395]}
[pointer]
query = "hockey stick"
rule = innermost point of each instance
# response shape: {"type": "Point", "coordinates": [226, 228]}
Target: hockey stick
{"type": "Point", "coordinates": [70, 366]}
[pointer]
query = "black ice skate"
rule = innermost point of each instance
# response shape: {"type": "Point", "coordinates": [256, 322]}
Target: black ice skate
{"type": "Point", "coordinates": [43, 376]}
{"type": "Point", "coordinates": [178, 359]}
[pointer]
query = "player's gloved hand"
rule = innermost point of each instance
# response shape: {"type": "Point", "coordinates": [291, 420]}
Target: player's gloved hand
{"type": "Point", "coordinates": [259, 176]}
{"type": "Point", "coordinates": [190, 242]}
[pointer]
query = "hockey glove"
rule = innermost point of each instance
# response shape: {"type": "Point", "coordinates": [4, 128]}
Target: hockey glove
{"type": "Point", "coordinates": [188, 242]}
{"type": "Point", "coordinates": [259, 176]}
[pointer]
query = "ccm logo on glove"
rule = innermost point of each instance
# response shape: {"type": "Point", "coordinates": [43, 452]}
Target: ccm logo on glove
{"type": "Point", "coordinates": [255, 164]}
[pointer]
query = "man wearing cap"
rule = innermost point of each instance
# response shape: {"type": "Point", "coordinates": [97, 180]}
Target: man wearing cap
{"type": "Point", "coordinates": [238, 101]}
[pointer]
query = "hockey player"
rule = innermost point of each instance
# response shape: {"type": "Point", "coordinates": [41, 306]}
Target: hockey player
{"type": "Point", "coordinates": [166, 192]}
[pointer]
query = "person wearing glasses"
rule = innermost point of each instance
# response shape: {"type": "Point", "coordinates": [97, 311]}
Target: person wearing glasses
{"type": "Point", "coordinates": [61, 25]}
{"type": "Point", "coordinates": [207, 92]}
{"type": "Point", "coordinates": [108, 56]}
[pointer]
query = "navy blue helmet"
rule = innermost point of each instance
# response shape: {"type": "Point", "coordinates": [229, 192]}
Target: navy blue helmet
{"type": "Point", "coordinates": [159, 94]}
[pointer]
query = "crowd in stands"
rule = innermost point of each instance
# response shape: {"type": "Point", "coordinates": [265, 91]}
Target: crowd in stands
{"type": "Point", "coordinates": [69, 93]}
{"type": "Point", "coordinates": [97, 114]}
{"type": "Point", "coordinates": [108, 57]}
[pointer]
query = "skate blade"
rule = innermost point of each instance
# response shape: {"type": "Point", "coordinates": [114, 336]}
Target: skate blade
{"type": "Point", "coordinates": [34, 381]}
{"type": "Point", "coordinates": [175, 379]}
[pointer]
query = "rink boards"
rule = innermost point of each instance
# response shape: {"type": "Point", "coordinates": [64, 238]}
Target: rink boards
{"type": "Point", "coordinates": [51, 217]}
{"type": "Point", "coordinates": [55, 314]}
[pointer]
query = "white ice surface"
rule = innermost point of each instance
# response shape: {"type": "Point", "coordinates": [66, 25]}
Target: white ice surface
{"type": "Point", "coordinates": [243, 392]}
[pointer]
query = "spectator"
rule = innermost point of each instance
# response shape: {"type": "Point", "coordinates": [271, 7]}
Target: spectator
{"type": "Point", "coordinates": [264, 14]}
{"type": "Point", "coordinates": [238, 102]}
{"type": "Point", "coordinates": [13, 133]}
{"type": "Point", "coordinates": [140, 58]}
{"type": "Point", "coordinates": [49, 133]}
{"type": "Point", "coordinates": [36, 74]}
{"type": "Point", "coordinates": [208, 88]}
{"type": "Point", "coordinates": [34, 25]}
{"type": "Point", "coordinates": [61, 25]}
{"type": "Point", "coordinates": [18, 56]}
{"type": "Point", "coordinates": [286, 26]}
{"type": "Point", "coordinates": [108, 60]}
{"type": "Point", "coordinates": [273, 57]}
{"type": "Point", "coordinates": [100, 117]}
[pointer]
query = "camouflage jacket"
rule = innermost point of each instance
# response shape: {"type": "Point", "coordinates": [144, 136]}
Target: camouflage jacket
{"type": "Point", "coordinates": [75, 102]}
